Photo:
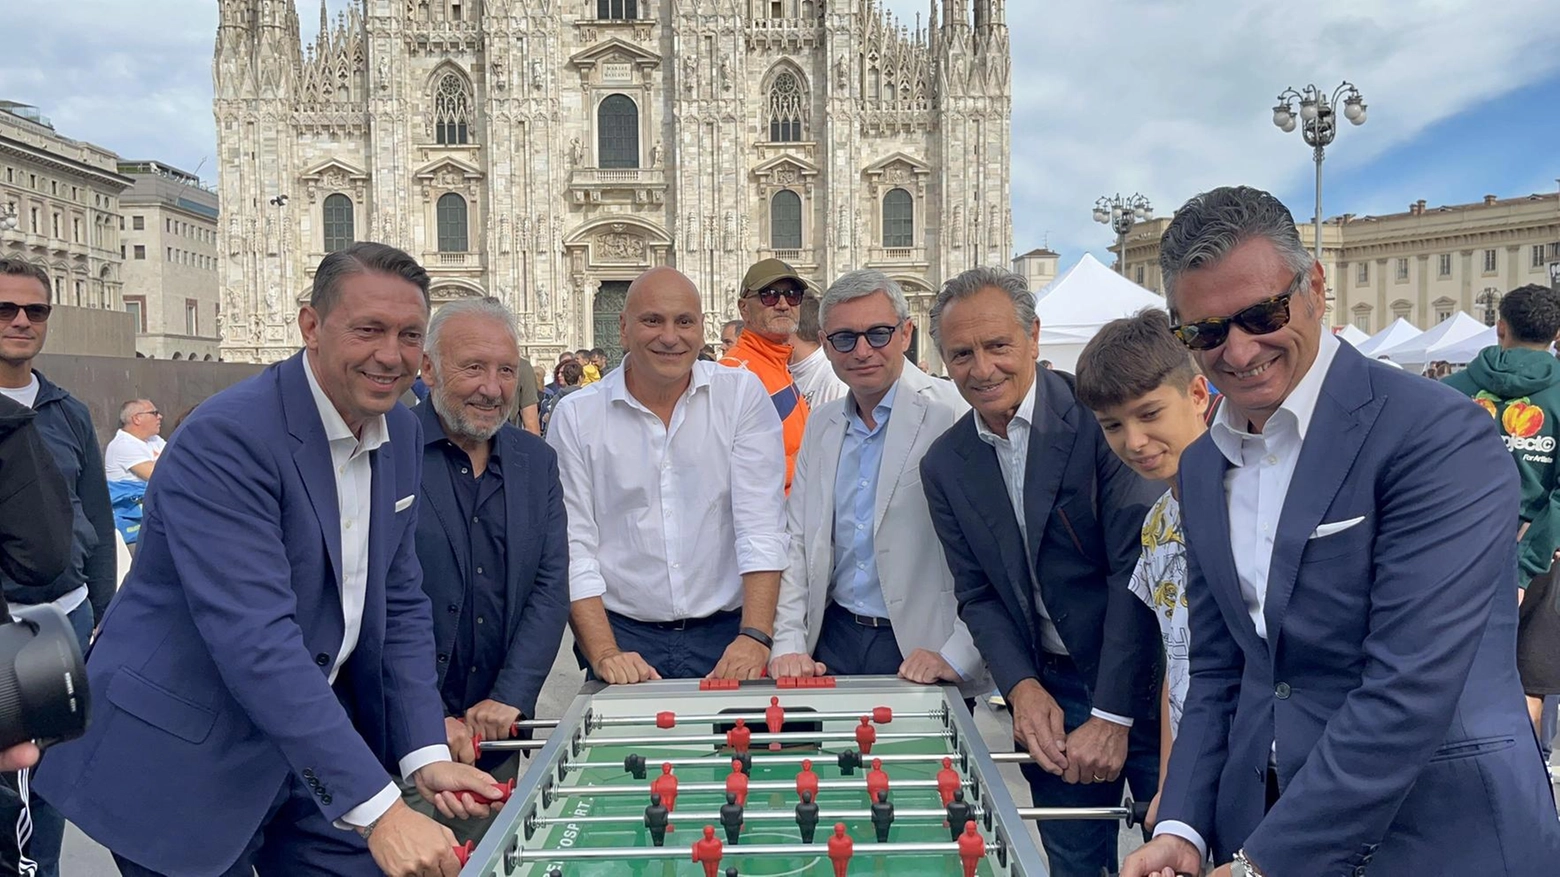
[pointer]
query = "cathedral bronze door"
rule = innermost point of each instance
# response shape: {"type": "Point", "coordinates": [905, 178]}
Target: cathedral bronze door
{"type": "Point", "coordinates": [606, 310]}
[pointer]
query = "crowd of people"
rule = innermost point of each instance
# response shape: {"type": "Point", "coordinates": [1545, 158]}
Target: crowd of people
{"type": "Point", "coordinates": [1287, 610]}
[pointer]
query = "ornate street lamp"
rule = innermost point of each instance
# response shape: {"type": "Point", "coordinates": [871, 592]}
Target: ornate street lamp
{"type": "Point", "coordinates": [1318, 123]}
{"type": "Point", "coordinates": [1121, 213]}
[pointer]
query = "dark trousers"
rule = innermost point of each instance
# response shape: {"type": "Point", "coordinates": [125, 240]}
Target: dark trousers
{"type": "Point", "coordinates": [1083, 848]}
{"type": "Point", "coordinates": [850, 648]}
{"type": "Point", "coordinates": [293, 841]}
{"type": "Point", "coordinates": [686, 649]}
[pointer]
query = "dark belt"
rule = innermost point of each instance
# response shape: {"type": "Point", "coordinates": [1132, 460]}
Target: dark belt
{"type": "Point", "coordinates": [680, 623]}
{"type": "Point", "coordinates": [863, 620]}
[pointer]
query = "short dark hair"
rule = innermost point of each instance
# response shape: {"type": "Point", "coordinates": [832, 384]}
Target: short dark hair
{"type": "Point", "coordinates": [807, 327]}
{"type": "Point", "coordinates": [364, 257]}
{"type": "Point", "coordinates": [569, 373]}
{"type": "Point", "coordinates": [1531, 313]}
{"type": "Point", "coordinates": [24, 268]}
{"type": "Point", "coordinates": [597, 351]}
{"type": "Point", "coordinates": [1130, 358]}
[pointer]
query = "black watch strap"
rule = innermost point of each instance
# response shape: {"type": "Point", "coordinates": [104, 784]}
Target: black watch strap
{"type": "Point", "coordinates": [758, 636]}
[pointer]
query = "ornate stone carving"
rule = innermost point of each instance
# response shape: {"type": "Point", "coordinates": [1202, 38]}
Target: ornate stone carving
{"type": "Point", "coordinates": [786, 175]}
{"type": "Point", "coordinates": [576, 152]}
{"type": "Point", "coordinates": [620, 247]}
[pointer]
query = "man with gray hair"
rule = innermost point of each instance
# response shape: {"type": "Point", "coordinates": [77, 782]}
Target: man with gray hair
{"type": "Point", "coordinates": [134, 450]}
{"type": "Point", "coordinates": [867, 590]}
{"type": "Point", "coordinates": [492, 540]}
{"type": "Point", "coordinates": [1041, 524]}
{"type": "Point", "coordinates": [1354, 704]}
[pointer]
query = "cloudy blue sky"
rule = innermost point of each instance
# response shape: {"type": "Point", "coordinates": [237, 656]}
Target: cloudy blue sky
{"type": "Point", "coordinates": [1163, 97]}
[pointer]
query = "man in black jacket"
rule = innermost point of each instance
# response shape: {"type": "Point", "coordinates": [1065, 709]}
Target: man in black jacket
{"type": "Point", "coordinates": [83, 590]}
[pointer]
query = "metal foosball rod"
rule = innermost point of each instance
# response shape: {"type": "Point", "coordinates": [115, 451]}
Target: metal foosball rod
{"type": "Point", "coordinates": [879, 715]}
{"type": "Point", "coordinates": [698, 816]}
{"type": "Point", "coordinates": [757, 739]}
{"type": "Point", "coordinates": [760, 759]}
{"type": "Point", "coordinates": [1012, 757]}
{"type": "Point", "coordinates": [612, 854]}
{"type": "Point", "coordinates": [851, 785]}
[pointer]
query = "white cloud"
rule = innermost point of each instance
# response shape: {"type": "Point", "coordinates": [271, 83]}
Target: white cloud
{"type": "Point", "coordinates": [1172, 98]}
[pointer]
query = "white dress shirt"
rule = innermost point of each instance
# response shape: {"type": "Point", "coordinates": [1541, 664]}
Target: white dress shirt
{"type": "Point", "coordinates": [664, 519]}
{"type": "Point", "coordinates": [1255, 486]}
{"type": "Point", "coordinates": [352, 464]}
{"type": "Point", "coordinates": [1013, 457]}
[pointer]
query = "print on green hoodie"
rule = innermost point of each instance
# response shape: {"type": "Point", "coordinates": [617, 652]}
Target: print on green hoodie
{"type": "Point", "coordinates": [1520, 388]}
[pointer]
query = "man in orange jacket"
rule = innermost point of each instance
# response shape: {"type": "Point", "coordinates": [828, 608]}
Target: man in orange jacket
{"type": "Point", "coordinates": [770, 302]}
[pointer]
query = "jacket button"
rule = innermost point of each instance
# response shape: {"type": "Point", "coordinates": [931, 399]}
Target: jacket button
{"type": "Point", "coordinates": [322, 659]}
{"type": "Point", "coordinates": [444, 659]}
{"type": "Point", "coordinates": [324, 799]}
{"type": "Point", "coordinates": [454, 609]}
{"type": "Point", "coordinates": [1281, 691]}
{"type": "Point", "coordinates": [308, 773]}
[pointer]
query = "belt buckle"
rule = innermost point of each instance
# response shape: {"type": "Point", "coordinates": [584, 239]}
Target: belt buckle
{"type": "Point", "coordinates": [869, 621]}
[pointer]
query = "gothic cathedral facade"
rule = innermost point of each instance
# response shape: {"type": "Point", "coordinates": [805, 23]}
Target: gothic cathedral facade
{"type": "Point", "coordinates": [548, 151]}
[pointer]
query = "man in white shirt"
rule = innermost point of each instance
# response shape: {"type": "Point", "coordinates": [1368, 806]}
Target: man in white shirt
{"type": "Point", "coordinates": [134, 450]}
{"type": "Point", "coordinates": [672, 475]}
{"type": "Point", "coordinates": [810, 368]}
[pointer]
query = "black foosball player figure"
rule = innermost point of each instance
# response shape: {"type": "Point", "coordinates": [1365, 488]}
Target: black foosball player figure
{"type": "Point", "coordinates": [731, 818]}
{"type": "Point", "coordinates": [882, 816]}
{"type": "Point", "coordinates": [655, 820]}
{"type": "Point", "coordinates": [807, 817]}
{"type": "Point", "coordinates": [958, 814]}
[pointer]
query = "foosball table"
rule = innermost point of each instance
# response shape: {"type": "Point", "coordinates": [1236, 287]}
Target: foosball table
{"type": "Point", "coordinates": [716, 778]}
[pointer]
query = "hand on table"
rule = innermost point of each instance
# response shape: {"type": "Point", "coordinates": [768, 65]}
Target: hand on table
{"type": "Point", "coordinates": [745, 658]}
{"type": "Point", "coordinates": [458, 736]}
{"type": "Point", "coordinates": [1166, 856]}
{"type": "Point", "coordinates": [493, 720]}
{"type": "Point", "coordinates": [926, 666]}
{"type": "Point", "coordinates": [405, 843]}
{"type": "Point", "coordinates": [796, 664]}
{"type": "Point", "coordinates": [1038, 725]}
{"type": "Point", "coordinates": [446, 785]}
{"type": "Point", "coordinates": [624, 668]}
{"type": "Point", "coordinates": [1096, 750]}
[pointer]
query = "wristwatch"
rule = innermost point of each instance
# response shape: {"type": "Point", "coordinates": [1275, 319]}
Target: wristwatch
{"type": "Point", "coordinates": [757, 636]}
{"type": "Point", "coordinates": [1241, 866]}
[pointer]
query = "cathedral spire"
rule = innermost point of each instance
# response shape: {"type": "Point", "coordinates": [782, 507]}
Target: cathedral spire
{"type": "Point", "coordinates": [324, 18]}
{"type": "Point", "coordinates": [956, 13]}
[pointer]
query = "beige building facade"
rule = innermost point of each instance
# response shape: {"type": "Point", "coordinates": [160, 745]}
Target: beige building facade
{"type": "Point", "coordinates": [59, 208]}
{"type": "Point", "coordinates": [170, 271]}
{"type": "Point", "coordinates": [548, 152]}
{"type": "Point", "coordinates": [1037, 267]}
{"type": "Point", "coordinates": [1424, 264]}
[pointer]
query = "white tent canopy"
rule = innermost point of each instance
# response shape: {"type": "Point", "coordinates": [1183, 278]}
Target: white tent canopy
{"type": "Point", "coordinates": [1467, 350]}
{"type": "Point", "coordinates": [1399, 331]}
{"type": "Point", "coordinates": [1353, 335]}
{"type": "Point", "coordinates": [1432, 345]}
{"type": "Point", "coordinates": [1074, 306]}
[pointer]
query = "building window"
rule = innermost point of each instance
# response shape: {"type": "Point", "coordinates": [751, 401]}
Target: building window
{"type": "Point", "coordinates": [1444, 308]}
{"type": "Point", "coordinates": [1402, 270]}
{"type": "Point", "coordinates": [81, 293]}
{"type": "Point", "coordinates": [135, 306]}
{"type": "Point", "coordinates": [785, 221]}
{"type": "Point", "coordinates": [33, 213]}
{"type": "Point", "coordinates": [786, 107]}
{"type": "Point", "coordinates": [452, 223]}
{"type": "Point", "coordinates": [617, 128]}
{"type": "Point", "coordinates": [1489, 261]}
{"type": "Point", "coordinates": [451, 111]}
{"type": "Point", "coordinates": [1401, 309]}
{"type": "Point", "coordinates": [1362, 274]}
{"type": "Point", "coordinates": [1538, 255]}
{"type": "Point", "coordinates": [138, 223]}
{"type": "Point", "coordinates": [75, 229]}
{"type": "Point", "coordinates": [56, 218]}
{"type": "Point", "coordinates": [1444, 266]}
{"type": "Point", "coordinates": [617, 10]}
{"type": "Point", "coordinates": [140, 252]}
{"type": "Point", "coordinates": [1362, 317]}
{"type": "Point", "coordinates": [1138, 275]}
{"type": "Point", "coordinates": [338, 223]}
{"type": "Point", "coordinates": [898, 219]}
{"type": "Point", "coordinates": [191, 317]}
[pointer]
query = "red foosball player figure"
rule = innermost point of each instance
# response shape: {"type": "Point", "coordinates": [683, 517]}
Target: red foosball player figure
{"type": "Point", "coordinates": [806, 780]}
{"type": "Point", "coordinates": [740, 738]}
{"type": "Point", "coordinates": [665, 785]}
{"type": "Point", "coordinates": [774, 717]}
{"type": "Point", "coordinates": [737, 783]}
{"type": "Point", "coordinates": [972, 848]}
{"type": "Point", "coordinates": [707, 851]}
{"type": "Point", "coordinates": [947, 781]}
{"type": "Point", "coordinates": [841, 848]}
{"type": "Point", "coordinates": [877, 780]}
{"type": "Point", "coordinates": [866, 735]}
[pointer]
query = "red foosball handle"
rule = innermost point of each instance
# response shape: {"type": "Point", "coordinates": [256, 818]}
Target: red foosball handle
{"type": "Point", "coordinates": [464, 851]}
{"type": "Point", "coordinates": [505, 790]}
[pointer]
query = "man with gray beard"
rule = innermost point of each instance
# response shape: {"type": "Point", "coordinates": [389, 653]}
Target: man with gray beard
{"type": "Point", "coordinates": [491, 536]}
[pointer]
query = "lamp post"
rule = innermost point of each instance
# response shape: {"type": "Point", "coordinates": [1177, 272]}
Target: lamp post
{"type": "Point", "coordinates": [1318, 123]}
{"type": "Point", "coordinates": [8, 219]}
{"type": "Point", "coordinates": [1121, 212]}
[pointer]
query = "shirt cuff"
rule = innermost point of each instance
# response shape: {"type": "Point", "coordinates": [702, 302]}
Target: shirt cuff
{"type": "Point", "coordinates": [763, 553]}
{"type": "Point", "coordinates": [1111, 717]}
{"type": "Point", "coordinates": [585, 580]}
{"type": "Point", "coordinates": [1184, 832]}
{"type": "Point", "coordinates": [368, 812]}
{"type": "Point", "coordinates": [956, 668]}
{"type": "Point", "coordinates": [418, 759]}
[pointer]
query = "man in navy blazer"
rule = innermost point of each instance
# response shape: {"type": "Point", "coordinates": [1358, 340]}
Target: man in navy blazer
{"type": "Point", "coordinates": [270, 658]}
{"type": "Point", "coordinates": [492, 536]}
{"type": "Point", "coordinates": [1041, 526]}
{"type": "Point", "coordinates": [1352, 534]}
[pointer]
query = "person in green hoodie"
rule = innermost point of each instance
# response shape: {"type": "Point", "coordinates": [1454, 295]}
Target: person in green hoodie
{"type": "Point", "coordinates": [1518, 382]}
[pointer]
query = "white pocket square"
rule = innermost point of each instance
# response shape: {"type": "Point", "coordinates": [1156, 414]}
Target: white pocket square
{"type": "Point", "coordinates": [402, 505]}
{"type": "Point", "coordinates": [1338, 527]}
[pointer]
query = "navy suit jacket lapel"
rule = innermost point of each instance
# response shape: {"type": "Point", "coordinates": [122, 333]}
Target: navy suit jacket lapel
{"type": "Point", "coordinates": [438, 490]}
{"type": "Point", "coordinates": [1344, 413]}
{"type": "Point", "coordinates": [312, 455]}
{"type": "Point", "coordinates": [382, 544]}
{"type": "Point", "coordinates": [517, 523]}
{"type": "Point", "coordinates": [1204, 492]}
{"type": "Point", "coordinates": [987, 492]}
{"type": "Point", "coordinates": [1051, 439]}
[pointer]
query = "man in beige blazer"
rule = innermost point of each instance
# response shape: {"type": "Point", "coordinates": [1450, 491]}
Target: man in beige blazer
{"type": "Point", "coordinates": [867, 591]}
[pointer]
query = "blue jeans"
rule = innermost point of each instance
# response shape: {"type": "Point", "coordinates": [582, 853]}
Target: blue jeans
{"type": "Point", "coordinates": [1083, 848]}
{"type": "Point", "coordinates": [48, 824]}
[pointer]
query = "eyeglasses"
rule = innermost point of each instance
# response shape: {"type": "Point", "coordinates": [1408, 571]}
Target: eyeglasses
{"type": "Point", "coordinates": [154, 412]}
{"type": "Point", "coordinates": [1263, 318]}
{"type": "Point", "coordinates": [877, 336]}
{"type": "Point", "coordinates": [771, 296]}
{"type": "Point", "coordinates": [35, 313]}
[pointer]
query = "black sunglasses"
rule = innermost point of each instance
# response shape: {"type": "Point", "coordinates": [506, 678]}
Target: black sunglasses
{"type": "Point", "coordinates": [877, 336]}
{"type": "Point", "coordinates": [1263, 318]}
{"type": "Point", "coordinates": [35, 313]}
{"type": "Point", "coordinates": [771, 297]}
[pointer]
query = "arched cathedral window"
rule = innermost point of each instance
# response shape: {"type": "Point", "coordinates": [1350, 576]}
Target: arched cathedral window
{"type": "Point", "coordinates": [616, 9]}
{"type": "Point", "coordinates": [452, 223]}
{"type": "Point", "coordinates": [787, 105]}
{"type": "Point", "coordinates": [785, 221]}
{"type": "Point", "coordinates": [617, 133]}
{"type": "Point", "coordinates": [339, 233]}
{"type": "Point", "coordinates": [898, 219]}
{"type": "Point", "coordinates": [451, 111]}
